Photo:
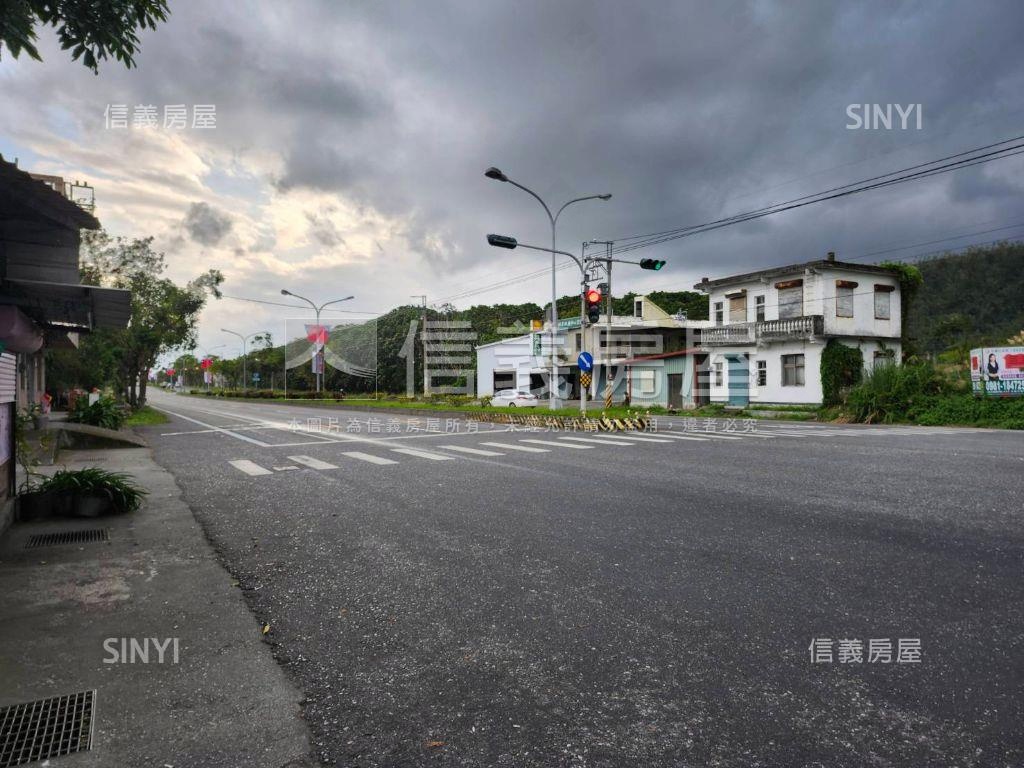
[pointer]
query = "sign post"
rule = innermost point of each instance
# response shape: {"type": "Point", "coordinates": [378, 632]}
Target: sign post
{"type": "Point", "coordinates": [586, 365]}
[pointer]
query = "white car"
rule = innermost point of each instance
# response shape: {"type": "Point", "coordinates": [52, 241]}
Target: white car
{"type": "Point", "coordinates": [515, 398]}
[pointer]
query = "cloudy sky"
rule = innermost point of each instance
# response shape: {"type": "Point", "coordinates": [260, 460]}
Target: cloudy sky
{"type": "Point", "coordinates": [351, 138]}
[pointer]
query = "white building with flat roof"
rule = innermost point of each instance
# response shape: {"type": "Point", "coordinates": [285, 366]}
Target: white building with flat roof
{"type": "Point", "coordinates": [769, 328]}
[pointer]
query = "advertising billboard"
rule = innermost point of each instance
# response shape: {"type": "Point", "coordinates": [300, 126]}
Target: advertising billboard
{"type": "Point", "coordinates": [997, 371]}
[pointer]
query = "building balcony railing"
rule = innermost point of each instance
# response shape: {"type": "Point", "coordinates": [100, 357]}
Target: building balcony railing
{"type": "Point", "coordinates": [785, 329]}
{"type": "Point", "coordinates": [791, 328]}
{"type": "Point", "coordinates": [727, 335]}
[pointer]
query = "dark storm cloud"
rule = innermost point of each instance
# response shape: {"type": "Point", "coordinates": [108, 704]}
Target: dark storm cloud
{"type": "Point", "coordinates": [684, 111]}
{"type": "Point", "coordinates": [205, 224]}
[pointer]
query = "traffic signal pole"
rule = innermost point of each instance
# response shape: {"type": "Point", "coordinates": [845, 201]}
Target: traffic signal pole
{"type": "Point", "coordinates": [583, 338]}
{"type": "Point", "coordinates": [511, 243]}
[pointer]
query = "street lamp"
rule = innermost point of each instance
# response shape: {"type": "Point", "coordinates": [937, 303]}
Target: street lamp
{"type": "Point", "coordinates": [244, 340]}
{"type": "Point", "coordinates": [318, 310]}
{"type": "Point", "coordinates": [206, 353]}
{"type": "Point", "coordinates": [497, 175]}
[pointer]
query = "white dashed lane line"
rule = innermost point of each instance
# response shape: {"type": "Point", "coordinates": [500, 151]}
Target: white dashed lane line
{"type": "Point", "coordinates": [597, 441]}
{"type": "Point", "coordinates": [513, 447]}
{"type": "Point", "coordinates": [309, 461]}
{"type": "Point", "coordinates": [368, 457]}
{"type": "Point", "coordinates": [473, 451]}
{"type": "Point", "coordinates": [423, 454]}
{"type": "Point", "coordinates": [249, 467]}
{"type": "Point", "coordinates": [558, 444]}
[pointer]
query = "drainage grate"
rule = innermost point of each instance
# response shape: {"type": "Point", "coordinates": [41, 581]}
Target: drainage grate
{"type": "Point", "coordinates": [46, 728]}
{"type": "Point", "coordinates": [86, 536]}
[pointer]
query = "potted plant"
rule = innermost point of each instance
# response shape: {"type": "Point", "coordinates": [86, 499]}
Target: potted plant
{"type": "Point", "coordinates": [92, 492]}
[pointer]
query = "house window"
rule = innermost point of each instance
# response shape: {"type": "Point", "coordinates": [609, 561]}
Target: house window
{"type": "Point", "coordinates": [759, 308]}
{"type": "Point", "coordinates": [719, 313]}
{"type": "Point", "coordinates": [792, 370]}
{"type": "Point", "coordinates": [884, 357]}
{"type": "Point", "coordinates": [738, 309]}
{"type": "Point", "coordinates": [719, 374]}
{"type": "Point", "coordinates": [762, 373]}
{"type": "Point", "coordinates": [844, 300]}
{"type": "Point", "coordinates": [791, 301]}
{"type": "Point", "coordinates": [883, 306]}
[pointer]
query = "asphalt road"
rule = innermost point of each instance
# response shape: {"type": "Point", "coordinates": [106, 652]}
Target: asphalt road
{"type": "Point", "coordinates": [623, 602]}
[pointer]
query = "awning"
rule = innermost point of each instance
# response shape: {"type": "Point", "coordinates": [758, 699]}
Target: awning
{"type": "Point", "coordinates": [17, 331]}
{"type": "Point", "coordinates": [69, 306]}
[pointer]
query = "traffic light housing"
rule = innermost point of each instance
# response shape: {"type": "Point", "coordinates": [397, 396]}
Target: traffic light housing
{"type": "Point", "coordinates": [654, 264]}
{"type": "Point", "coordinates": [592, 299]}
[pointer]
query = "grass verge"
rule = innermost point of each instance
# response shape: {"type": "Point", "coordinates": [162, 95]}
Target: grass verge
{"type": "Point", "coordinates": [145, 416]}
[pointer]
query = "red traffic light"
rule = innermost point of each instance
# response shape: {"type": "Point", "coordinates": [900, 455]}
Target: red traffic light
{"type": "Point", "coordinates": [593, 296]}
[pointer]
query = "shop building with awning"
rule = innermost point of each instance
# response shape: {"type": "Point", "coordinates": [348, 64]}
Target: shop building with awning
{"type": "Point", "coordinates": [42, 301]}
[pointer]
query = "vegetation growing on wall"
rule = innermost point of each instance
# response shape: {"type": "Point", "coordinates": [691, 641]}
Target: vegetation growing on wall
{"type": "Point", "coordinates": [841, 368]}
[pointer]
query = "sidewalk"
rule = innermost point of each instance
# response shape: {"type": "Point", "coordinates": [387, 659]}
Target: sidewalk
{"type": "Point", "coordinates": [224, 703]}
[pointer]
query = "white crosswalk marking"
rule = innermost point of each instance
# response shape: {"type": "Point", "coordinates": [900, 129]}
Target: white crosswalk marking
{"type": "Point", "coordinates": [249, 467]}
{"type": "Point", "coordinates": [682, 437]}
{"type": "Point", "coordinates": [512, 447]}
{"type": "Point", "coordinates": [309, 461]}
{"type": "Point", "coordinates": [423, 454]}
{"type": "Point", "coordinates": [474, 451]}
{"type": "Point", "coordinates": [630, 436]}
{"type": "Point", "coordinates": [368, 457]}
{"type": "Point", "coordinates": [597, 441]}
{"type": "Point", "coordinates": [558, 444]}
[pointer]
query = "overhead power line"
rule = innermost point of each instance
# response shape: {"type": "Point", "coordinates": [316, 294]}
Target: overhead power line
{"type": "Point", "coordinates": [966, 159]}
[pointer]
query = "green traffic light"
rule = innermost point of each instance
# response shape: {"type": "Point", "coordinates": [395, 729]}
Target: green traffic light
{"type": "Point", "coordinates": [654, 264]}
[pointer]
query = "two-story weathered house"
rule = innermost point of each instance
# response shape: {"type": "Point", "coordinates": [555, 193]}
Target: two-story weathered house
{"type": "Point", "coordinates": [769, 327]}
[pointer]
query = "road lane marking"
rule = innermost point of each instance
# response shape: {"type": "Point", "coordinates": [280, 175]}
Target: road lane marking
{"type": "Point", "coordinates": [523, 448]}
{"type": "Point", "coordinates": [249, 467]}
{"type": "Point", "coordinates": [560, 445]}
{"type": "Point", "coordinates": [721, 437]}
{"type": "Point", "coordinates": [595, 441]}
{"type": "Point", "coordinates": [682, 437]}
{"type": "Point", "coordinates": [215, 428]}
{"type": "Point", "coordinates": [643, 439]}
{"type": "Point", "coordinates": [474, 451]}
{"type": "Point", "coordinates": [368, 457]}
{"type": "Point", "coordinates": [309, 461]}
{"type": "Point", "coordinates": [422, 454]}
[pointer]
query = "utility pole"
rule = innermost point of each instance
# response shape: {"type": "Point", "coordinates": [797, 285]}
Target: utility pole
{"type": "Point", "coordinates": [608, 328]}
{"type": "Point", "coordinates": [423, 338]}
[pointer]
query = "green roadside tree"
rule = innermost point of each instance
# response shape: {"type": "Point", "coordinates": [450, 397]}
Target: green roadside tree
{"type": "Point", "coordinates": [92, 30]}
{"type": "Point", "coordinates": [164, 315]}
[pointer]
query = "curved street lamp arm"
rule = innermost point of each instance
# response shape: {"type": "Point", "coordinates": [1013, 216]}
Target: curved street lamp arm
{"type": "Point", "coordinates": [336, 301]}
{"type": "Point", "coordinates": [578, 200]}
{"type": "Point", "coordinates": [538, 198]}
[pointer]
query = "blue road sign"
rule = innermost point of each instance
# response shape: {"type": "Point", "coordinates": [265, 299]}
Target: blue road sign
{"type": "Point", "coordinates": [585, 361]}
